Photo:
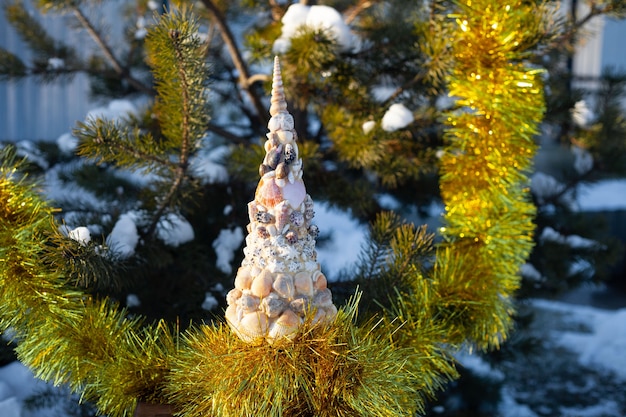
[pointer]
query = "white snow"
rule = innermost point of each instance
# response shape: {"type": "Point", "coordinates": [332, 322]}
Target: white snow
{"type": "Point", "coordinates": [115, 110]}
{"type": "Point", "coordinates": [317, 17]}
{"type": "Point", "coordinates": [31, 152]}
{"type": "Point", "coordinates": [397, 117]}
{"type": "Point", "coordinates": [368, 126]}
{"type": "Point", "coordinates": [209, 302]}
{"type": "Point", "coordinates": [208, 164]}
{"type": "Point", "coordinates": [81, 235]}
{"type": "Point", "coordinates": [582, 116]}
{"type": "Point", "coordinates": [17, 383]}
{"type": "Point", "coordinates": [603, 195]}
{"type": "Point", "coordinates": [124, 236]}
{"type": "Point", "coordinates": [174, 230]}
{"type": "Point", "coordinates": [346, 236]}
{"type": "Point", "coordinates": [508, 407]}
{"type": "Point", "coordinates": [141, 31]}
{"type": "Point", "coordinates": [381, 93]}
{"type": "Point", "coordinates": [544, 186]}
{"type": "Point", "coordinates": [573, 241]}
{"type": "Point", "coordinates": [607, 408]}
{"type": "Point", "coordinates": [603, 345]}
{"type": "Point", "coordinates": [528, 271]}
{"type": "Point", "coordinates": [132, 300]}
{"type": "Point", "coordinates": [55, 64]}
{"type": "Point", "coordinates": [583, 161]}
{"type": "Point", "coordinates": [67, 143]}
{"type": "Point", "coordinates": [227, 242]}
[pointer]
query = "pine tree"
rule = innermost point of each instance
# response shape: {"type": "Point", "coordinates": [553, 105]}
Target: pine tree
{"type": "Point", "coordinates": [419, 298]}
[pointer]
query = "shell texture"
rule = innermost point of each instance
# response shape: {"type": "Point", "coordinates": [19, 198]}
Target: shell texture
{"type": "Point", "coordinates": [279, 282]}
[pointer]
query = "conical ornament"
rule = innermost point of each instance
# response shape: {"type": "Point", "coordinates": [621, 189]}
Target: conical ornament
{"type": "Point", "coordinates": [279, 285]}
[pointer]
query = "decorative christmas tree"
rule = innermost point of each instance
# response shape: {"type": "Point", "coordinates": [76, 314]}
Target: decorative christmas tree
{"type": "Point", "coordinates": [280, 280]}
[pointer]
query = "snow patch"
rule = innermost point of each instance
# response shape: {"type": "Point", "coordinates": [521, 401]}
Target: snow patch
{"type": "Point", "coordinates": [67, 143]}
{"type": "Point", "coordinates": [368, 126]}
{"type": "Point", "coordinates": [603, 195]}
{"type": "Point", "coordinates": [396, 117]}
{"type": "Point", "coordinates": [603, 346]}
{"type": "Point", "coordinates": [573, 241]}
{"type": "Point", "coordinates": [124, 236]}
{"type": "Point", "coordinates": [342, 248]}
{"type": "Point", "coordinates": [174, 230]}
{"type": "Point", "coordinates": [115, 110]}
{"type": "Point", "coordinates": [529, 272]}
{"type": "Point", "coordinates": [544, 186]}
{"type": "Point", "coordinates": [227, 242]}
{"type": "Point", "coordinates": [582, 116]}
{"type": "Point", "coordinates": [208, 165]}
{"type": "Point", "coordinates": [55, 64]}
{"type": "Point", "coordinates": [209, 302]}
{"type": "Point", "coordinates": [132, 301]}
{"type": "Point", "coordinates": [317, 17]}
{"type": "Point", "coordinates": [583, 161]}
{"type": "Point", "coordinates": [81, 235]}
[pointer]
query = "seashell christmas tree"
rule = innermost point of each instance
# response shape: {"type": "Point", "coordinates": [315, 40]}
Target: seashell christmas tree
{"type": "Point", "coordinates": [279, 285]}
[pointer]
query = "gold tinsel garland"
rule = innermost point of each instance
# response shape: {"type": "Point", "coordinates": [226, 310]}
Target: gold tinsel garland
{"type": "Point", "coordinates": [68, 337]}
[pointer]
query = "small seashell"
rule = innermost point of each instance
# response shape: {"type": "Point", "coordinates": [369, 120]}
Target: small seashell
{"type": "Point", "coordinates": [281, 121]}
{"type": "Point", "coordinates": [273, 157]}
{"type": "Point", "coordinates": [292, 237]}
{"type": "Point", "coordinates": [303, 283]}
{"type": "Point", "coordinates": [232, 296]}
{"type": "Point", "coordinates": [297, 219]}
{"type": "Point", "coordinates": [271, 229]}
{"type": "Point", "coordinates": [283, 285]}
{"type": "Point", "coordinates": [262, 232]}
{"type": "Point", "coordinates": [299, 305]}
{"type": "Point", "coordinates": [264, 169]}
{"type": "Point", "coordinates": [323, 298]}
{"type": "Point", "coordinates": [319, 281]}
{"type": "Point", "coordinates": [282, 171]}
{"type": "Point", "coordinates": [273, 305]}
{"type": "Point", "coordinates": [294, 193]}
{"type": "Point", "coordinates": [282, 213]}
{"type": "Point", "coordinates": [252, 326]}
{"type": "Point", "coordinates": [281, 182]}
{"type": "Point", "coordinates": [290, 153]}
{"type": "Point", "coordinates": [231, 314]}
{"type": "Point", "coordinates": [248, 303]}
{"type": "Point", "coordinates": [244, 278]}
{"type": "Point", "coordinates": [263, 217]}
{"type": "Point", "coordinates": [285, 136]}
{"type": "Point", "coordinates": [309, 213]}
{"type": "Point", "coordinates": [277, 100]}
{"type": "Point", "coordinates": [314, 231]}
{"type": "Point", "coordinates": [252, 210]}
{"type": "Point", "coordinates": [285, 326]}
{"type": "Point", "coordinates": [268, 193]}
{"type": "Point", "coordinates": [262, 284]}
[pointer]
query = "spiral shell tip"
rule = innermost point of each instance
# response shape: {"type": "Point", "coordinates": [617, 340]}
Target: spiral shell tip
{"type": "Point", "coordinates": [278, 103]}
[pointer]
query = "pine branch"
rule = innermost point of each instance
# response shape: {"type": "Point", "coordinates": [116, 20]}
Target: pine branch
{"type": "Point", "coordinates": [11, 66]}
{"type": "Point", "coordinates": [245, 80]}
{"type": "Point", "coordinates": [108, 52]}
{"type": "Point", "coordinates": [40, 42]}
{"type": "Point", "coordinates": [107, 142]}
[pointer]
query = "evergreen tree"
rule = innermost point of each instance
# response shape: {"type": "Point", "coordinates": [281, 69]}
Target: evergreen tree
{"type": "Point", "coordinates": [205, 89]}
